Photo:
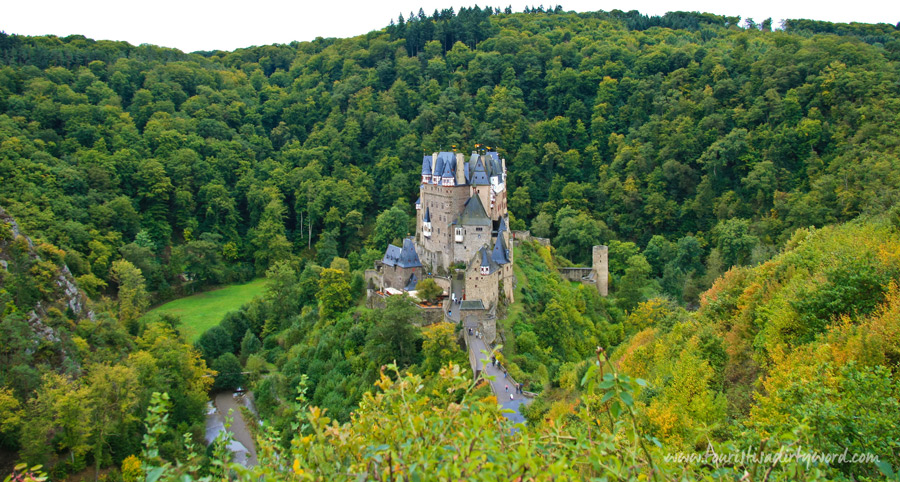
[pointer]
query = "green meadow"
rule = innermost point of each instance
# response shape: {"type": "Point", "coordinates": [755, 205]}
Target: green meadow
{"type": "Point", "coordinates": [202, 311]}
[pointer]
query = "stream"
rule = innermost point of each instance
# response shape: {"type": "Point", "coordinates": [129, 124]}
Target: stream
{"type": "Point", "coordinates": [242, 445]}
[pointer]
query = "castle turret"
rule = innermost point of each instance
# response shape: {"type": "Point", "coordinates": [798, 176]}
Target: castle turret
{"type": "Point", "coordinates": [448, 176]}
{"type": "Point", "coordinates": [426, 224]}
{"type": "Point", "coordinates": [500, 253]}
{"type": "Point", "coordinates": [427, 162]}
{"type": "Point", "coordinates": [438, 168]}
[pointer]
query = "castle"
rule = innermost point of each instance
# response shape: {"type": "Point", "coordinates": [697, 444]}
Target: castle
{"type": "Point", "coordinates": [462, 237]}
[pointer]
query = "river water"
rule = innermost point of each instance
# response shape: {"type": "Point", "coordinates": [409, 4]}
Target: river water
{"type": "Point", "coordinates": [242, 444]}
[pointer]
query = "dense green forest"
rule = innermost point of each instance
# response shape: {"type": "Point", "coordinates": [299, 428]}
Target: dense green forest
{"type": "Point", "coordinates": [204, 168]}
{"type": "Point", "coordinates": [739, 175]}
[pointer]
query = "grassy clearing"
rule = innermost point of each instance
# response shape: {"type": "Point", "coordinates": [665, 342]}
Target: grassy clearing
{"type": "Point", "coordinates": [202, 311]}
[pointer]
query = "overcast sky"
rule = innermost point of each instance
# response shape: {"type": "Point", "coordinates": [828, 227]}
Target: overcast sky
{"type": "Point", "coordinates": [227, 24]}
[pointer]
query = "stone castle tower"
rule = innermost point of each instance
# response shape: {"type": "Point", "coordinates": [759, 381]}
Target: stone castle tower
{"type": "Point", "coordinates": [462, 233]}
{"type": "Point", "coordinates": [600, 267]}
{"type": "Point", "coordinates": [462, 221]}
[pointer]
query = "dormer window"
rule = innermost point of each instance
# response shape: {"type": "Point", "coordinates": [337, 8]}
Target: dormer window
{"type": "Point", "coordinates": [459, 235]}
{"type": "Point", "coordinates": [485, 270]}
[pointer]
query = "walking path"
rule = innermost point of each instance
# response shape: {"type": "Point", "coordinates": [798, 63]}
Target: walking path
{"type": "Point", "coordinates": [501, 385]}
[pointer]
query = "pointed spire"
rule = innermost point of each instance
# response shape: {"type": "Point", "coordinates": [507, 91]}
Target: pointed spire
{"type": "Point", "coordinates": [499, 252]}
{"type": "Point", "coordinates": [479, 174]}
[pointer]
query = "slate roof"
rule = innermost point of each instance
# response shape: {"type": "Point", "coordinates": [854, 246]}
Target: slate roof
{"type": "Point", "coordinates": [471, 305]}
{"type": "Point", "coordinates": [405, 257]}
{"type": "Point", "coordinates": [500, 252]}
{"type": "Point", "coordinates": [438, 165]}
{"type": "Point", "coordinates": [487, 260]}
{"type": "Point", "coordinates": [449, 169]}
{"type": "Point", "coordinates": [474, 214]}
{"type": "Point", "coordinates": [427, 217]}
{"type": "Point", "coordinates": [502, 226]}
{"type": "Point", "coordinates": [426, 165]}
{"type": "Point", "coordinates": [479, 174]}
{"type": "Point", "coordinates": [493, 166]}
{"type": "Point", "coordinates": [411, 286]}
{"type": "Point", "coordinates": [391, 255]}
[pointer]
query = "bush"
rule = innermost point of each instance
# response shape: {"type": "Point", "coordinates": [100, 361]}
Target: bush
{"type": "Point", "coordinates": [428, 290]}
{"type": "Point", "coordinates": [131, 469]}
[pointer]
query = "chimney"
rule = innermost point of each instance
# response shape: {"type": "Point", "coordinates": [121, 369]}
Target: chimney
{"type": "Point", "coordinates": [460, 170]}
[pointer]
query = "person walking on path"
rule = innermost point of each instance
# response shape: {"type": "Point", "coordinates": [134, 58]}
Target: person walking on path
{"type": "Point", "coordinates": [510, 396]}
{"type": "Point", "coordinates": [507, 387]}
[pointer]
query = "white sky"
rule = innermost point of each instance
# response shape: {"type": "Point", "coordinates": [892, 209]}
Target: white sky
{"type": "Point", "coordinates": [228, 24]}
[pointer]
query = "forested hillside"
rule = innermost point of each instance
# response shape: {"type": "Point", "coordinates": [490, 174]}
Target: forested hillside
{"type": "Point", "coordinates": [797, 356]}
{"type": "Point", "coordinates": [740, 176]}
{"type": "Point", "coordinates": [74, 383]}
{"type": "Point", "coordinates": [207, 167]}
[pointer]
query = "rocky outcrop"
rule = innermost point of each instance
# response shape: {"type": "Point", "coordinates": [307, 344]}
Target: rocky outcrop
{"type": "Point", "coordinates": [66, 296]}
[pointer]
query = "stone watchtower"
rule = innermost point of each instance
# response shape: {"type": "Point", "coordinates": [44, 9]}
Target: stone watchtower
{"type": "Point", "coordinates": [600, 268]}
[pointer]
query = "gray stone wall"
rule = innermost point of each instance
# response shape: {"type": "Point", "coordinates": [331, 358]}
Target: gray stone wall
{"type": "Point", "coordinates": [482, 287]}
{"type": "Point", "coordinates": [489, 328]}
{"type": "Point", "coordinates": [373, 279]}
{"type": "Point", "coordinates": [394, 277]}
{"type": "Point", "coordinates": [431, 315]}
{"type": "Point", "coordinates": [499, 208]}
{"type": "Point", "coordinates": [473, 240]}
{"type": "Point", "coordinates": [444, 204]}
{"type": "Point", "coordinates": [484, 192]}
{"type": "Point", "coordinates": [520, 236]}
{"type": "Point", "coordinates": [443, 282]}
{"type": "Point", "coordinates": [525, 236]}
{"type": "Point", "coordinates": [575, 274]}
{"type": "Point", "coordinates": [509, 282]}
